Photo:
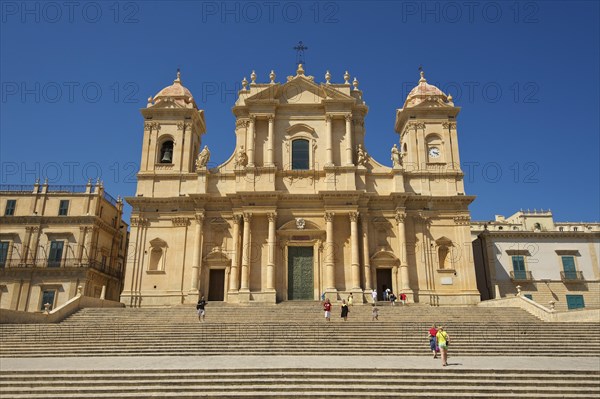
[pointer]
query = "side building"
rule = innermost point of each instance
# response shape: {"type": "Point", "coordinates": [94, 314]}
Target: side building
{"type": "Point", "coordinates": [54, 239]}
{"type": "Point", "coordinates": [552, 263]}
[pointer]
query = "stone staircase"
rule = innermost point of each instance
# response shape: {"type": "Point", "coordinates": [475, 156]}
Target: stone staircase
{"type": "Point", "coordinates": [111, 353]}
{"type": "Point", "coordinates": [290, 382]}
{"type": "Point", "coordinates": [297, 328]}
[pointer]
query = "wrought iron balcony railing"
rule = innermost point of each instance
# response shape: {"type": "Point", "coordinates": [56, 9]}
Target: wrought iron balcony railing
{"type": "Point", "coordinates": [573, 276]}
{"type": "Point", "coordinates": [68, 263]}
{"type": "Point", "coordinates": [521, 275]}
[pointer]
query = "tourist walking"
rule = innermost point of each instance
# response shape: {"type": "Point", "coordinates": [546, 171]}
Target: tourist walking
{"type": "Point", "coordinates": [327, 309]}
{"type": "Point", "coordinates": [350, 300]}
{"type": "Point", "coordinates": [374, 295]}
{"type": "Point", "coordinates": [344, 310]}
{"type": "Point", "coordinates": [442, 341]}
{"type": "Point", "coordinates": [200, 308]}
{"type": "Point", "coordinates": [403, 298]}
{"type": "Point", "coordinates": [433, 340]}
{"type": "Point", "coordinates": [393, 299]}
{"type": "Point", "coordinates": [375, 313]}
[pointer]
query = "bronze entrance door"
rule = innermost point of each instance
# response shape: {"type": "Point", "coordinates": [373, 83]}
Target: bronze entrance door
{"type": "Point", "coordinates": [384, 281]}
{"type": "Point", "coordinates": [300, 273]}
{"type": "Point", "coordinates": [216, 285]}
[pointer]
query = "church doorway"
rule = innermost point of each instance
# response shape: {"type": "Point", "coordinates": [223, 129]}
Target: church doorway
{"type": "Point", "coordinates": [384, 281]}
{"type": "Point", "coordinates": [300, 273]}
{"type": "Point", "coordinates": [216, 285]}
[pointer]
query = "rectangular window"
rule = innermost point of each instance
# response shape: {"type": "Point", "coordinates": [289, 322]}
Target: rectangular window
{"type": "Point", "coordinates": [48, 296]}
{"type": "Point", "coordinates": [10, 207]}
{"type": "Point", "coordinates": [518, 262]}
{"type": "Point", "coordinates": [575, 302]}
{"type": "Point", "coordinates": [63, 209]}
{"type": "Point", "coordinates": [568, 263]}
{"type": "Point", "coordinates": [3, 253]}
{"type": "Point", "coordinates": [56, 251]}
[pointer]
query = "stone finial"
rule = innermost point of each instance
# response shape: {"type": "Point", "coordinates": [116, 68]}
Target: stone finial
{"type": "Point", "coordinates": [518, 290]}
{"type": "Point", "coordinates": [300, 70]}
{"type": "Point", "coordinates": [45, 181]}
{"type": "Point", "coordinates": [253, 78]}
{"type": "Point", "coordinates": [178, 80]}
{"type": "Point", "coordinates": [79, 289]}
{"type": "Point", "coordinates": [450, 98]}
{"type": "Point", "coordinates": [37, 180]}
{"type": "Point", "coordinates": [46, 308]}
{"type": "Point", "coordinates": [244, 83]}
{"type": "Point", "coordinates": [327, 77]}
{"type": "Point", "coordinates": [355, 83]}
{"type": "Point", "coordinates": [346, 78]}
{"type": "Point", "coordinates": [272, 76]}
{"type": "Point", "coordinates": [422, 80]}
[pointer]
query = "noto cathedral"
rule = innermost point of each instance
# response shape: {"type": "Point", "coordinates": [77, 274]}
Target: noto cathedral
{"type": "Point", "coordinates": [300, 209]}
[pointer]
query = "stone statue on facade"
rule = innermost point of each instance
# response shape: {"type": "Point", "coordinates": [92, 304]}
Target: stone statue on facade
{"type": "Point", "coordinates": [241, 159]}
{"type": "Point", "coordinates": [361, 156]}
{"type": "Point", "coordinates": [396, 156]}
{"type": "Point", "coordinates": [203, 158]}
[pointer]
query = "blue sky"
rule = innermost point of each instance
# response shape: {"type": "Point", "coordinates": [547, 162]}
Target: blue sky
{"type": "Point", "coordinates": [526, 74]}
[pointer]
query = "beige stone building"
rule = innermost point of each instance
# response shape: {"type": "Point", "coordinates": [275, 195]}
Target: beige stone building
{"type": "Point", "coordinates": [552, 263]}
{"type": "Point", "coordinates": [300, 208]}
{"type": "Point", "coordinates": [55, 238]}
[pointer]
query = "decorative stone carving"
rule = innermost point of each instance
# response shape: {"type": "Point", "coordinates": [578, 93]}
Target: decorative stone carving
{"type": "Point", "coordinates": [449, 125]}
{"type": "Point", "coordinates": [400, 217]}
{"type": "Point", "coordinates": [396, 156]}
{"type": "Point", "coordinates": [361, 156]}
{"type": "Point", "coordinates": [462, 220]}
{"type": "Point", "coordinates": [203, 158]}
{"type": "Point", "coordinates": [353, 216]}
{"type": "Point", "coordinates": [272, 216]}
{"type": "Point", "coordinates": [241, 123]}
{"type": "Point", "coordinates": [329, 216]}
{"type": "Point", "coordinates": [237, 219]}
{"type": "Point", "coordinates": [199, 218]}
{"type": "Point", "coordinates": [247, 217]}
{"type": "Point", "coordinates": [180, 221]}
{"type": "Point", "coordinates": [241, 159]}
{"type": "Point", "coordinates": [180, 125]}
{"type": "Point", "coordinates": [300, 223]}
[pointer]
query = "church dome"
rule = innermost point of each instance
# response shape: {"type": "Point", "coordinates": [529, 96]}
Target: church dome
{"type": "Point", "coordinates": [176, 92]}
{"type": "Point", "coordinates": [422, 92]}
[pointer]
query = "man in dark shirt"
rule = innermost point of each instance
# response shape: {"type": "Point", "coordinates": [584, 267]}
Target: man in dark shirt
{"type": "Point", "coordinates": [200, 308]}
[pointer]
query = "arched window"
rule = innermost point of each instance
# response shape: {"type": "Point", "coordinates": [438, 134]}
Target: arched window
{"type": "Point", "coordinates": [166, 152]}
{"type": "Point", "coordinates": [300, 154]}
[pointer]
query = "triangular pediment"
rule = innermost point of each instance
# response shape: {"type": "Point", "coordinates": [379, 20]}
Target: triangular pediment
{"type": "Point", "coordinates": [299, 89]}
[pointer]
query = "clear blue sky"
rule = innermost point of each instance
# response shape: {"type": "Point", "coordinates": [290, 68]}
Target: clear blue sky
{"type": "Point", "coordinates": [526, 75]}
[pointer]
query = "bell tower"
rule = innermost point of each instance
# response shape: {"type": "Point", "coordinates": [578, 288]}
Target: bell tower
{"type": "Point", "coordinates": [428, 141]}
{"type": "Point", "coordinates": [173, 129]}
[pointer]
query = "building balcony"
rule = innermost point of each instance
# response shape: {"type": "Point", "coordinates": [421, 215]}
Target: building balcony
{"type": "Point", "coordinates": [521, 275]}
{"type": "Point", "coordinates": [62, 265]}
{"type": "Point", "coordinates": [571, 276]}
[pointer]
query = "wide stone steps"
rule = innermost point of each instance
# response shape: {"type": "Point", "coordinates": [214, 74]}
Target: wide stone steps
{"type": "Point", "coordinates": [296, 328]}
{"type": "Point", "coordinates": [292, 382]}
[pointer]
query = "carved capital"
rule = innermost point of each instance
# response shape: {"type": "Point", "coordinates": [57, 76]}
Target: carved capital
{"type": "Point", "coordinates": [180, 125]}
{"type": "Point", "coordinates": [400, 217]}
{"type": "Point", "coordinates": [449, 125]}
{"type": "Point", "coordinates": [328, 118]}
{"type": "Point", "coordinates": [348, 117]}
{"type": "Point", "coordinates": [199, 218]}
{"type": "Point", "coordinates": [271, 118]}
{"type": "Point", "coordinates": [237, 219]}
{"type": "Point", "coordinates": [462, 220]}
{"type": "Point", "coordinates": [353, 216]}
{"type": "Point", "coordinates": [247, 217]}
{"type": "Point", "coordinates": [241, 123]}
{"type": "Point", "coordinates": [329, 216]}
{"type": "Point", "coordinates": [272, 216]}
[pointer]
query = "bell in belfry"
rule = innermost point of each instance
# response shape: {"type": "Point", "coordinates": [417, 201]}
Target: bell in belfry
{"type": "Point", "coordinates": [167, 156]}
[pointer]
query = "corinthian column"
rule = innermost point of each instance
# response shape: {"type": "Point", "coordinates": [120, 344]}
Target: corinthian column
{"type": "Point", "coordinates": [197, 257]}
{"type": "Point", "coordinates": [400, 216]}
{"type": "Point", "coordinates": [329, 142]}
{"type": "Point", "coordinates": [250, 141]}
{"type": "Point", "coordinates": [270, 141]}
{"type": "Point", "coordinates": [366, 260]}
{"type": "Point", "coordinates": [234, 284]}
{"type": "Point", "coordinates": [271, 260]}
{"type": "Point", "coordinates": [349, 140]}
{"type": "Point", "coordinates": [354, 243]}
{"type": "Point", "coordinates": [246, 254]}
{"type": "Point", "coordinates": [329, 260]}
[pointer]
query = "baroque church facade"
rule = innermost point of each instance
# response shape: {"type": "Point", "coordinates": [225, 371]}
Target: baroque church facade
{"type": "Point", "coordinates": [300, 209]}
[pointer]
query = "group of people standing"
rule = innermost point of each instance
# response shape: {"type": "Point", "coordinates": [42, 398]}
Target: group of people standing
{"type": "Point", "coordinates": [388, 295]}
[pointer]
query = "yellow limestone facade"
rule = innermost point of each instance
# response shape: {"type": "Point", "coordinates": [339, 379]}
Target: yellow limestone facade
{"type": "Point", "coordinates": [299, 209]}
